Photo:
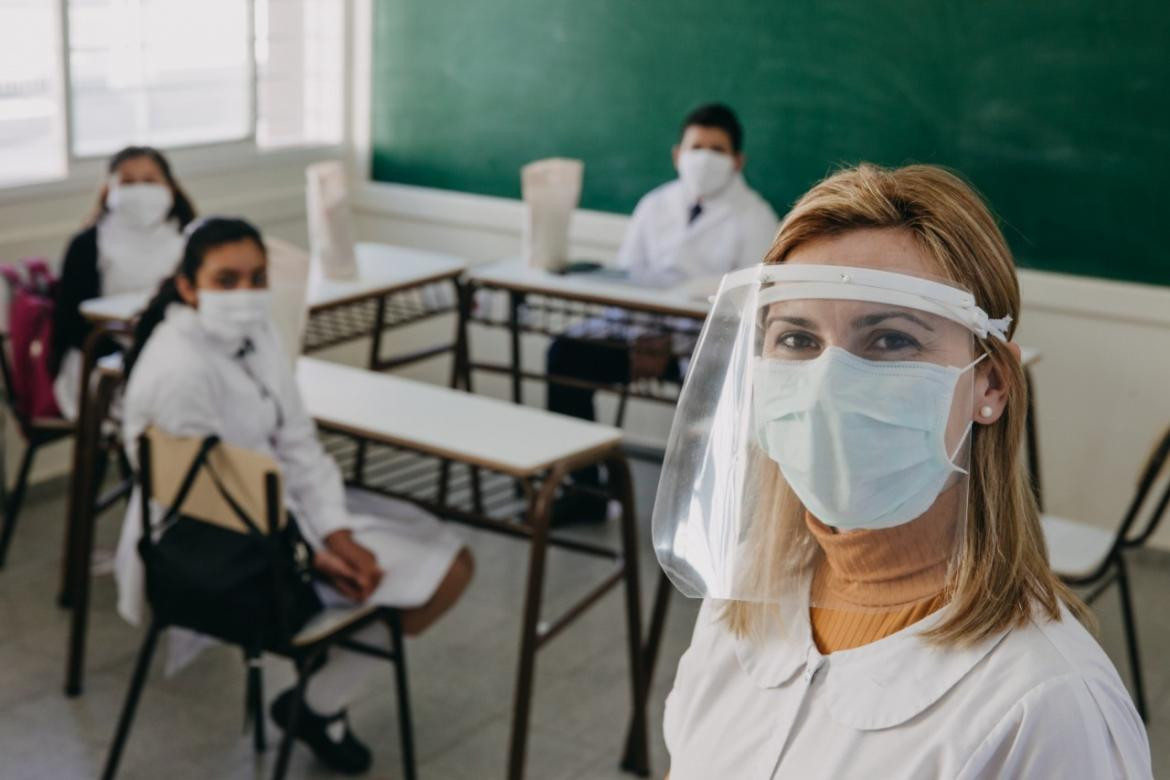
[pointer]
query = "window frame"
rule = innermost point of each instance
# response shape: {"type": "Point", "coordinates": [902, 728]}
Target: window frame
{"type": "Point", "coordinates": [84, 172]}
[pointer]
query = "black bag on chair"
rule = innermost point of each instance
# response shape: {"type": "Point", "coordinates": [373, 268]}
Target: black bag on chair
{"type": "Point", "coordinates": [254, 589]}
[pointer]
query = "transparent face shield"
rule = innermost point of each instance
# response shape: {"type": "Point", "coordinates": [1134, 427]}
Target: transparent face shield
{"type": "Point", "coordinates": [821, 443]}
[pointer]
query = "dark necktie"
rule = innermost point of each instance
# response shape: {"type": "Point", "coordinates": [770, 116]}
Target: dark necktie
{"type": "Point", "coordinates": [696, 210]}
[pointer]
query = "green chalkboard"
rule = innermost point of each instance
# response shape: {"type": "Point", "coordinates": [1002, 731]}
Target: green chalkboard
{"type": "Point", "coordinates": [1058, 111]}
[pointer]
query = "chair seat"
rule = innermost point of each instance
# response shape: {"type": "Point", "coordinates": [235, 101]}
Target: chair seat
{"type": "Point", "coordinates": [1075, 549]}
{"type": "Point", "coordinates": [53, 424]}
{"type": "Point", "coordinates": [329, 621]}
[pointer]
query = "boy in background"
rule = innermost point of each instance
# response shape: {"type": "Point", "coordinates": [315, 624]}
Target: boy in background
{"type": "Point", "coordinates": [701, 225]}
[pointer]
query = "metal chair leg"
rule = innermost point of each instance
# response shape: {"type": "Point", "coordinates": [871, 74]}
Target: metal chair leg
{"type": "Point", "coordinates": [1131, 642]}
{"type": "Point", "coordinates": [303, 671]}
{"type": "Point", "coordinates": [136, 683]}
{"type": "Point", "coordinates": [13, 505]}
{"type": "Point", "coordinates": [255, 701]}
{"type": "Point", "coordinates": [1032, 440]}
{"type": "Point", "coordinates": [405, 724]}
{"type": "Point", "coordinates": [636, 755]}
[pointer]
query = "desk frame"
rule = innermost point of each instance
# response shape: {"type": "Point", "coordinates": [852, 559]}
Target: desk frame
{"type": "Point", "coordinates": [387, 314]}
{"type": "Point", "coordinates": [537, 494]}
{"type": "Point", "coordinates": [567, 305]}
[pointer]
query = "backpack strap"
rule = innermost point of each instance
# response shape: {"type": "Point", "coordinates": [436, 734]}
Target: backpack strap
{"type": "Point", "coordinates": [39, 275]}
{"type": "Point", "coordinates": [237, 510]}
{"type": "Point", "coordinates": [197, 463]}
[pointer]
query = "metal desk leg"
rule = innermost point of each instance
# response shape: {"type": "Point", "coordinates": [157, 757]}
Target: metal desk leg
{"type": "Point", "coordinates": [83, 496]}
{"type": "Point", "coordinates": [662, 594]}
{"type": "Point", "coordinates": [376, 336]}
{"type": "Point", "coordinates": [373, 363]}
{"type": "Point", "coordinates": [515, 300]}
{"type": "Point", "coordinates": [461, 362]}
{"type": "Point", "coordinates": [461, 376]}
{"type": "Point", "coordinates": [636, 757]}
{"type": "Point", "coordinates": [540, 511]}
{"type": "Point", "coordinates": [1032, 441]}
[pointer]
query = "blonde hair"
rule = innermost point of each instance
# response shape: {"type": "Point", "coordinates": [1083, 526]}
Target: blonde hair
{"type": "Point", "coordinates": [1002, 574]}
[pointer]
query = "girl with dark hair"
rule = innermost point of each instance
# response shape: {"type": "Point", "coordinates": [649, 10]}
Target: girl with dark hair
{"type": "Point", "coordinates": [207, 360]}
{"type": "Point", "coordinates": [132, 242]}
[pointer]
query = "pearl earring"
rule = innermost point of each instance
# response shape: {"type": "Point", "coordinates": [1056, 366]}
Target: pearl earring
{"type": "Point", "coordinates": [986, 411]}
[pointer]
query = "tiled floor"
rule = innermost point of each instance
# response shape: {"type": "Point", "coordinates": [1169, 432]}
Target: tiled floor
{"type": "Point", "coordinates": [190, 726]}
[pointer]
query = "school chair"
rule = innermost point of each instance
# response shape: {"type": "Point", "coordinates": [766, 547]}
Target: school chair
{"type": "Point", "coordinates": [220, 485]}
{"type": "Point", "coordinates": [288, 279]}
{"type": "Point", "coordinates": [36, 432]}
{"type": "Point", "coordinates": [1091, 557]}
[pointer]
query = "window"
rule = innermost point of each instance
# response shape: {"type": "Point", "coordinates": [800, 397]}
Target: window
{"type": "Point", "coordinates": [170, 73]}
{"type": "Point", "coordinates": [163, 72]}
{"type": "Point", "coordinates": [300, 70]}
{"type": "Point", "coordinates": [32, 127]}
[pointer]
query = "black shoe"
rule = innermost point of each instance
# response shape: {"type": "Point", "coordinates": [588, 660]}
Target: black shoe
{"type": "Point", "coordinates": [577, 507]}
{"type": "Point", "coordinates": [346, 755]}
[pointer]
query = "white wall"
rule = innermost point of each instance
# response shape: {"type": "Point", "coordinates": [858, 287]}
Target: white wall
{"type": "Point", "coordinates": [1103, 382]}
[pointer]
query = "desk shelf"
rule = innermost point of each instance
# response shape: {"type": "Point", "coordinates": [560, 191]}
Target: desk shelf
{"type": "Point", "coordinates": [342, 323]}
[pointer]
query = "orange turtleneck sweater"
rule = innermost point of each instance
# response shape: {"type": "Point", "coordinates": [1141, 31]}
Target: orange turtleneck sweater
{"type": "Point", "coordinates": [870, 584]}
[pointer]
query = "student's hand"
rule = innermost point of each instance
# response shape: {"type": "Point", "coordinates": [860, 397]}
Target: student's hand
{"type": "Point", "coordinates": [339, 573]}
{"type": "Point", "coordinates": [363, 564]}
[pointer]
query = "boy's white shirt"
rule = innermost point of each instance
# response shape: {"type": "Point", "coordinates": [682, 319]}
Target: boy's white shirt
{"type": "Point", "coordinates": [734, 230]}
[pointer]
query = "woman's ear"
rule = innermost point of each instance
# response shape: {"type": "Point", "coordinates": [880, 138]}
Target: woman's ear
{"type": "Point", "coordinates": [186, 291]}
{"type": "Point", "coordinates": [991, 389]}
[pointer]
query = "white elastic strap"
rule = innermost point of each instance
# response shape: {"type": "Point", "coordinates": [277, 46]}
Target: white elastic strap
{"type": "Point", "coordinates": [827, 282]}
{"type": "Point", "coordinates": [999, 327]}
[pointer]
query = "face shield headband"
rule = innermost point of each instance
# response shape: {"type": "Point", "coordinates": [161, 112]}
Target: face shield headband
{"type": "Point", "coordinates": [847, 283]}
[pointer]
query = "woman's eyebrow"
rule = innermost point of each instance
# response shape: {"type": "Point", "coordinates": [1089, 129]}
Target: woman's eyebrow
{"type": "Point", "coordinates": [869, 320]}
{"type": "Point", "coordinates": [800, 322]}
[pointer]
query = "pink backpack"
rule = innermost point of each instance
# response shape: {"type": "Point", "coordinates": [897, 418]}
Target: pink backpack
{"type": "Point", "coordinates": [30, 331]}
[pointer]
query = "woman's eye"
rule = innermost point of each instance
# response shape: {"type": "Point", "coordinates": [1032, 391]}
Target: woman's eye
{"type": "Point", "coordinates": [796, 341]}
{"type": "Point", "coordinates": [894, 341]}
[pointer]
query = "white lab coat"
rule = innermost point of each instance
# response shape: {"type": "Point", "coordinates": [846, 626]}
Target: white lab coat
{"type": "Point", "coordinates": [133, 258]}
{"type": "Point", "coordinates": [1041, 701]}
{"type": "Point", "coordinates": [191, 383]}
{"type": "Point", "coordinates": [734, 230]}
{"type": "Point", "coordinates": [663, 247]}
{"type": "Point", "coordinates": [130, 259]}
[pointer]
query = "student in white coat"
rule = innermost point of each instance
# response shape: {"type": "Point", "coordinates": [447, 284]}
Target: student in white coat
{"type": "Point", "coordinates": [132, 243]}
{"type": "Point", "coordinates": [700, 226]}
{"type": "Point", "coordinates": [844, 490]}
{"type": "Point", "coordinates": [207, 360]}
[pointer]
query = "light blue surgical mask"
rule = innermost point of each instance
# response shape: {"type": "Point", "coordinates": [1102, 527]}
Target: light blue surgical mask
{"type": "Point", "coordinates": [862, 443]}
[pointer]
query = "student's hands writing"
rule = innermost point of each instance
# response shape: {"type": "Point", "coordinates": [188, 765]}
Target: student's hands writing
{"type": "Point", "coordinates": [352, 568]}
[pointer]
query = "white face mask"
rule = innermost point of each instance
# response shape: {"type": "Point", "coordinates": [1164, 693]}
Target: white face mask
{"type": "Point", "coordinates": [234, 314]}
{"type": "Point", "coordinates": [141, 205]}
{"type": "Point", "coordinates": [704, 172]}
{"type": "Point", "coordinates": [861, 443]}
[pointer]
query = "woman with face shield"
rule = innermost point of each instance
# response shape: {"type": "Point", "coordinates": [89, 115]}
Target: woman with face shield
{"type": "Point", "coordinates": [207, 361]}
{"type": "Point", "coordinates": [132, 243]}
{"type": "Point", "coordinates": [843, 489]}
